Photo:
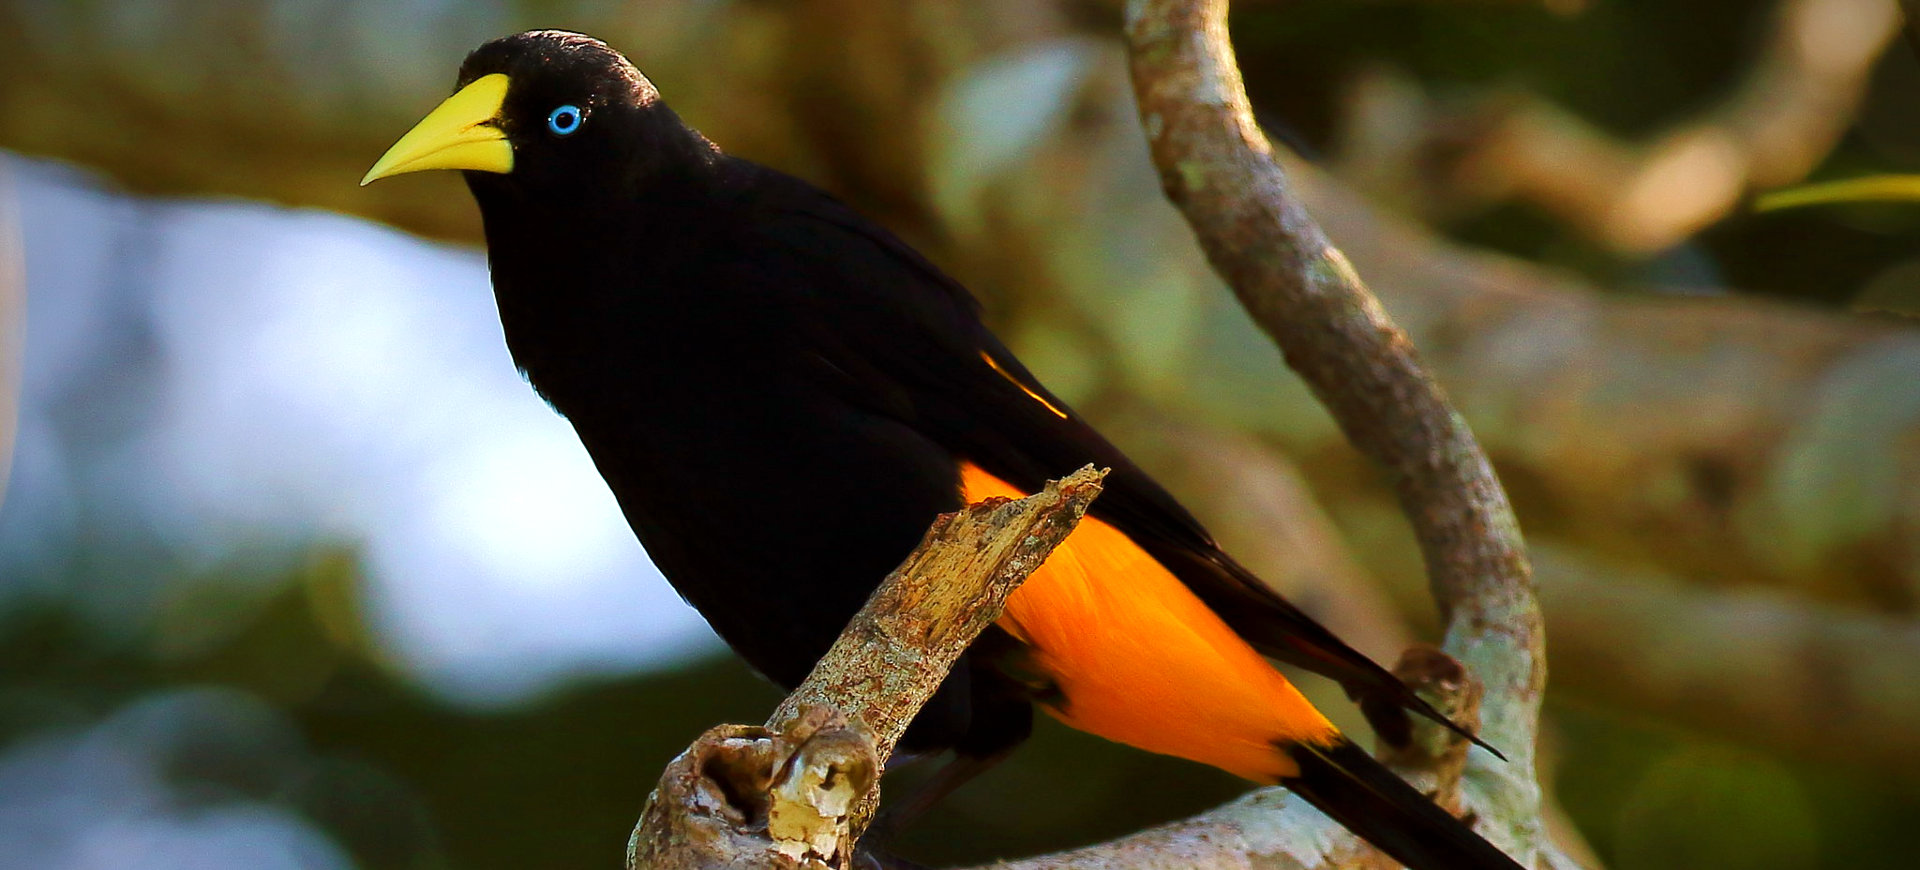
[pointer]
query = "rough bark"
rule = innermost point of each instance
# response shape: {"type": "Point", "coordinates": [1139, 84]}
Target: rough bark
{"type": "Point", "coordinates": [1218, 167]}
{"type": "Point", "coordinates": [799, 791]}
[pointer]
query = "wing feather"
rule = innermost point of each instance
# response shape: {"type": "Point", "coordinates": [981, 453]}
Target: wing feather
{"type": "Point", "coordinates": [900, 337]}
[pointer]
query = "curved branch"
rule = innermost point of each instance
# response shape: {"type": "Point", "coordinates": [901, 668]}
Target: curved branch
{"type": "Point", "coordinates": [1219, 169]}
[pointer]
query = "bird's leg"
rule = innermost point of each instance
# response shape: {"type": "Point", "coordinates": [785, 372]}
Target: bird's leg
{"type": "Point", "coordinates": [896, 817]}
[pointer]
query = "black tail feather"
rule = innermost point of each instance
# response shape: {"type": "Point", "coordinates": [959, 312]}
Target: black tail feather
{"type": "Point", "coordinates": [1280, 630]}
{"type": "Point", "coordinates": [1368, 799]}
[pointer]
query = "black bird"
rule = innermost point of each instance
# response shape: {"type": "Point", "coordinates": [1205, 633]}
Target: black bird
{"type": "Point", "coordinates": [783, 396]}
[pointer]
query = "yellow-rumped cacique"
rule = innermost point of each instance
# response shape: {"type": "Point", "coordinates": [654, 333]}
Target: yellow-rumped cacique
{"type": "Point", "coordinates": [783, 396]}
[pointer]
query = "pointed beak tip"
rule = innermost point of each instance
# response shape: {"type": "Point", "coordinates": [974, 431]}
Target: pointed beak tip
{"type": "Point", "coordinates": [460, 133]}
{"type": "Point", "coordinates": [380, 170]}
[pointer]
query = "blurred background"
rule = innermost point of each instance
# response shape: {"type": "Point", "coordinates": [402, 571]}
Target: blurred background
{"type": "Point", "coordinates": [296, 573]}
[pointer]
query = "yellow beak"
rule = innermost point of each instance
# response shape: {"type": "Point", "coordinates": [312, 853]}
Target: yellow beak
{"type": "Point", "coordinates": [459, 134]}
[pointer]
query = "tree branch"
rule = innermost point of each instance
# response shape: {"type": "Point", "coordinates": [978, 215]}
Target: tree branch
{"type": "Point", "coordinates": [801, 790]}
{"type": "Point", "coordinates": [1793, 104]}
{"type": "Point", "coordinates": [1219, 169]}
{"type": "Point", "coordinates": [1784, 674]}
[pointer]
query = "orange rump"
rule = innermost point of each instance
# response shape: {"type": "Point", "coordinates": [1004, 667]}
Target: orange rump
{"type": "Point", "coordinates": [1139, 659]}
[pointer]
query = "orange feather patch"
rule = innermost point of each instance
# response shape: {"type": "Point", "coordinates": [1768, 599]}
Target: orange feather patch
{"type": "Point", "coordinates": [1139, 659]}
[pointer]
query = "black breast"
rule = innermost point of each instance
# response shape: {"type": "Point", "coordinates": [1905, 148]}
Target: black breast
{"type": "Point", "coordinates": [769, 500]}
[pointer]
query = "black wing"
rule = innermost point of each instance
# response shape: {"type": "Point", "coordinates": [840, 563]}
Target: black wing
{"type": "Point", "coordinates": [903, 339]}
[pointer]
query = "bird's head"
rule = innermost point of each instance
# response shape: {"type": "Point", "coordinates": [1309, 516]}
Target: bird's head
{"type": "Point", "coordinates": [545, 110]}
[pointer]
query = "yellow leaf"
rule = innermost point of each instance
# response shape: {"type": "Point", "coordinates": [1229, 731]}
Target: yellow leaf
{"type": "Point", "coordinates": [1875, 188]}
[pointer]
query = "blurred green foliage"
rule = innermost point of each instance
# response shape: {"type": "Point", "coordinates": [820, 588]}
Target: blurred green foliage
{"type": "Point", "coordinates": [403, 779]}
{"type": "Point", "coordinates": [1630, 67]}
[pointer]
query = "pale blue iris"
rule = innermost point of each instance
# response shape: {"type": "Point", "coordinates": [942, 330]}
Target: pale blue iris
{"type": "Point", "coordinates": [565, 120]}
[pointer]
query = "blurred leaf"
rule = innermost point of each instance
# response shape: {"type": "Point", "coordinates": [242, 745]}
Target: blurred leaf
{"type": "Point", "coordinates": [989, 120]}
{"type": "Point", "coordinates": [1878, 188]}
{"type": "Point", "coordinates": [1677, 815]}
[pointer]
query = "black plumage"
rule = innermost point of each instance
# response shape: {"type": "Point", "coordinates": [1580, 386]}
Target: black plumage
{"type": "Point", "coordinates": [782, 395]}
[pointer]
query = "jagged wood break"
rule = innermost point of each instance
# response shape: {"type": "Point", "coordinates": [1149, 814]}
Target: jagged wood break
{"type": "Point", "coordinates": [799, 791]}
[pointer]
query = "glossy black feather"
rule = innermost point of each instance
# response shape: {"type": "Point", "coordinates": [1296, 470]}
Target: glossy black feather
{"type": "Point", "coordinates": [780, 392]}
{"type": "Point", "coordinates": [1368, 799]}
{"type": "Point", "coordinates": [908, 341]}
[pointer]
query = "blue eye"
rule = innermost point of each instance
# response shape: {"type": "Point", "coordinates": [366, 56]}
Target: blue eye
{"type": "Point", "coordinates": [565, 120]}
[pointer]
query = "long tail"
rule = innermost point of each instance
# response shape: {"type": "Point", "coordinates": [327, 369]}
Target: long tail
{"type": "Point", "coordinates": [1358, 792]}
